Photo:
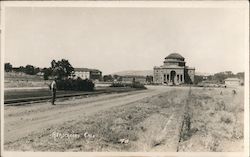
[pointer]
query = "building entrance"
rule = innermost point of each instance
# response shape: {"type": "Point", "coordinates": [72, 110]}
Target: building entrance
{"type": "Point", "coordinates": [172, 77]}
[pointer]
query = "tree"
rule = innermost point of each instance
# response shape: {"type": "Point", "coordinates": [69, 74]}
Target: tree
{"type": "Point", "coordinates": [7, 67]}
{"type": "Point", "coordinates": [198, 79]}
{"type": "Point", "coordinates": [46, 73]}
{"type": "Point", "coordinates": [149, 79]}
{"type": "Point", "coordinates": [107, 78]}
{"type": "Point", "coordinates": [221, 76]}
{"type": "Point", "coordinates": [37, 70]}
{"type": "Point", "coordinates": [21, 69]}
{"type": "Point", "coordinates": [61, 69]}
{"type": "Point", "coordinates": [117, 78]}
{"type": "Point", "coordinates": [29, 69]}
{"type": "Point", "coordinates": [240, 75]}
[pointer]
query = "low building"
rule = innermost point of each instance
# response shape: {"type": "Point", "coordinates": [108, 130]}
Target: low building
{"type": "Point", "coordinates": [85, 73]}
{"type": "Point", "coordinates": [131, 79]}
{"type": "Point", "coordinates": [232, 82]}
{"type": "Point", "coordinates": [40, 74]}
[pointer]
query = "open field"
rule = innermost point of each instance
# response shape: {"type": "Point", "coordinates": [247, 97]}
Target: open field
{"type": "Point", "coordinates": [12, 79]}
{"type": "Point", "coordinates": [158, 119]}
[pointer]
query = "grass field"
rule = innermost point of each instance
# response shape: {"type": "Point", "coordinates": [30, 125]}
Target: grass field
{"type": "Point", "coordinates": [216, 119]}
{"type": "Point", "coordinates": [12, 79]}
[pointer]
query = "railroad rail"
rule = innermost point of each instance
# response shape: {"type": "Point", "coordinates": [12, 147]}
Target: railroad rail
{"type": "Point", "coordinates": [20, 101]}
{"type": "Point", "coordinates": [27, 100]}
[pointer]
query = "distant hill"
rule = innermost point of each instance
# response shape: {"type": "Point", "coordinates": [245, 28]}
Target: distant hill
{"type": "Point", "coordinates": [148, 72]}
{"type": "Point", "coordinates": [203, 74]}
{"type": "Point", "coordinates": [134, 72]}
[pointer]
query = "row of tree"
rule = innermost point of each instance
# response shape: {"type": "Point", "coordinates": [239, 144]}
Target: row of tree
{"type": "Point", "coordinates": [111, 78]}
{"type": "Point", "coordinates": [28, 69]}
{"type": "Point", "coordinates": [218, 77]}
{"type": "Point", "coordinates": [59, 69]}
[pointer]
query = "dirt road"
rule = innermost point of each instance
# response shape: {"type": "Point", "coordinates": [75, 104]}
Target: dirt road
{"type": "Point", "coordinates": [23, 120]}
{"type": "Point", "coordinates": [146, 120]}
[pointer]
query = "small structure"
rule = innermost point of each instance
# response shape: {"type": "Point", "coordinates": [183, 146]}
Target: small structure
{"type": "Point", "coordinates": [131, 79]}
{"type": "Point", "coordinates": [85, 73]}
{"type": "Point", "coordinates": [174, 71]}
{"type": "Point", "coordinates": [232, 82]}
{"type": "Point", "coordinates": [40, 74]}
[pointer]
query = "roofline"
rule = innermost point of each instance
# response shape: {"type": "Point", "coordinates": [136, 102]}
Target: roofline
{"type": "Point", "coordinates": [170, 68]}
{"type": "Point", "coordinates": [173, 60]}
{"type": "Point", "coordinates": [134, 76]}
{"type": "Point", "coordinates": [231, 79]}
{"type": "Point", "coordinates": [86, 69]}
{"type": "Point", "coordinates": [169, 56]}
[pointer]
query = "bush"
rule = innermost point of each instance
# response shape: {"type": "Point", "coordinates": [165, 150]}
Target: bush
{"type": "Point", "coordinates": [226, 117]}
{"type": "Point", "coordinates": [137, 85]}
{"type": "Point", "coordinates": [117, 84]}
{"type": "Point", "coordinates": [77, 85]}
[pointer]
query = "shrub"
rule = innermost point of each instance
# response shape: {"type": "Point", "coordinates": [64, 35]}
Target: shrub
{"type": "Point", "coordinates": [137, 85]}
{"type": "Point", "coordinates": [117, 84]}
{"type": "Point", "coordinates": [226, 120]}
{"type": "Point", "coordinates": [226, 117]}
{"type": "Point", "coordinates": [77, 85]}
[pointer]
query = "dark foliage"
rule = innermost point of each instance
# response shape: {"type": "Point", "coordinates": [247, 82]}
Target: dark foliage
{"type": "Point", "coordinates": [76, 85]}
{"type": "Point", "coordinates": [187, 77]}
{"type": "Point", "coordinates": [198, 79]}
{"type": "Point", "coordinates": [108, 78]}
{"type": "Point", "coordinates": [61, 69]}
{"type": "Point", "coordinates": [7, 67]}
{"type": "Point", "coordinates": [47, 72]}
{"type": "Point", "coordinates": [149, 79]}
{"type": "Point", "coordinates": [29, 69]}
{"type": "Point", "coordinates": [137, 85]}
{"type": "Point", "coordinates": [118, 84]}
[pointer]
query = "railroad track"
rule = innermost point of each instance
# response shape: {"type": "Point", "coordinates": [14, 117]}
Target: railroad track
{"type": "Point", "coordinates": [27, 100]}
{"type": "Point", "coordinates": [21, 101]}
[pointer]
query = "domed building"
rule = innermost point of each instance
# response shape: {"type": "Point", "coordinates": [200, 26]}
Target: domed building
{"type": "Point", "coordinates": [174, 71]}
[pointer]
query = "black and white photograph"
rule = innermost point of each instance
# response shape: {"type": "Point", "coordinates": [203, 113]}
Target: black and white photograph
{"type": "Point", "coordinates": [129, 77]}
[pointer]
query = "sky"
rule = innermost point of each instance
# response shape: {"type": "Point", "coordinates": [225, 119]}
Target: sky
{"type": "Point", "coordinates": [118, 39]}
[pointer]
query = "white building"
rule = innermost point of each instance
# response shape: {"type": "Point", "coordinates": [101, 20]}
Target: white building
{"type": "Point", "coordinates": [232, 82]}
{"type": "Point", "coordinates": [85, 73]}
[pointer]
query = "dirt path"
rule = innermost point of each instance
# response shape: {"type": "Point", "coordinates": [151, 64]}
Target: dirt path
{"type": "Point", "coordinates": [24, 120]}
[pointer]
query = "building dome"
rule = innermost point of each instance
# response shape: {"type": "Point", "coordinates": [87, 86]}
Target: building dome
{"type": "Point", "coordinates": [175, 56]}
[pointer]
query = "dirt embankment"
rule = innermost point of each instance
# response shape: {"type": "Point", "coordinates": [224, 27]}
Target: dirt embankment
{"type": "Point", "coordinates": [214, 121]}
